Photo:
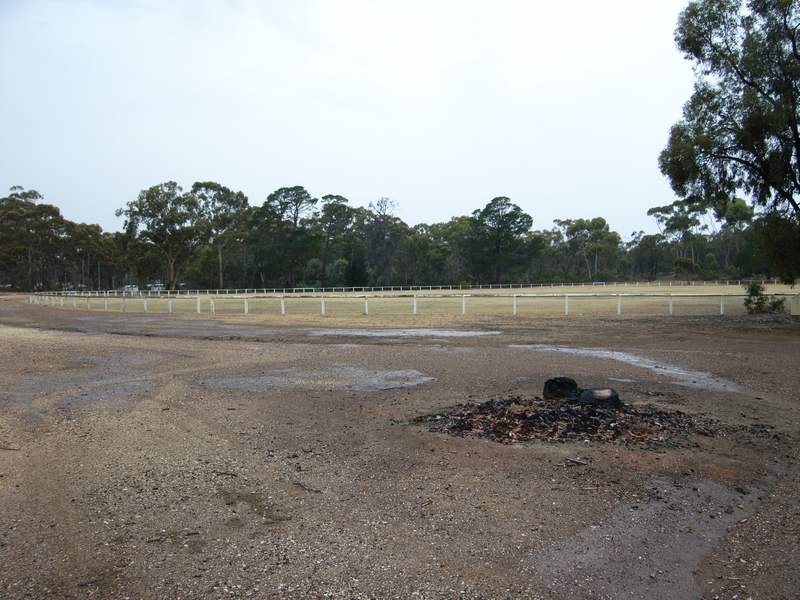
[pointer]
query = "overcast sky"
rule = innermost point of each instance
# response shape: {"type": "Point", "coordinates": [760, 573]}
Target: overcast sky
{"type": "Point", "coordinates": [440, 105]}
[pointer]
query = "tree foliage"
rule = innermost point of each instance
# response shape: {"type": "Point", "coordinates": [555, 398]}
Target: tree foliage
{"type": "Point", "coordinates": [741, 127]}
{"type": "Point", "coordinates": [291, 240]}
{"type": "Point", "coordinates": [172, 222]}
{"type": "Point", "coordinates": [225, 212]}
{"type": "Point", "coordinates": [498, 241]}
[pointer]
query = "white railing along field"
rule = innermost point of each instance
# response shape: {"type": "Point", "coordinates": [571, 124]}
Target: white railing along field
{"type": "Point", "coordinates": [421, 288]}
{"type": "Point", "coordinates": [448, 302]}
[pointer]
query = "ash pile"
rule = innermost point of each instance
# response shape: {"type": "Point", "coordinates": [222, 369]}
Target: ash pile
{"type": "Point", "coordinates": [566, 413]}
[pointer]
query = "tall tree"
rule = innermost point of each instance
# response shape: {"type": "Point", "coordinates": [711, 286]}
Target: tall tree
{"type": "Point", "coordinates": [452, 241]}
{"type": "Point", "coordinates": [294, 204]}
{"type": "Point", "coordinates": [224, 209]}
{"type": "Point", "coordinates": [86, 246]}
{"type": "Point", "coordinates": [680, 221]}
{"type": "Point", "coordinates": [31, 235]}
{"type": "Point", "coordinates": [738, 215]}
{"type": "Point", "coordinates": [741, 127]}
{"type": "Point", "coordinates": [384, 235]}
{"type": "Point", "coordinates": [498, 239]}
{"type": "Point", "coordinates": [593, 241]}
{"type": "Point", "coordinates": [172, 222]}
{"type": "Point", "coordinates": [334, 219]}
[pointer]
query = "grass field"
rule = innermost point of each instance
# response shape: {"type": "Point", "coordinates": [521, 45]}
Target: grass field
{"type": "Point", "coordinates": [434, 309]}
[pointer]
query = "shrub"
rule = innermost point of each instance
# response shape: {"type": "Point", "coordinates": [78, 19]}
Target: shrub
{"type": "Point", "coordinates": [757, 301]}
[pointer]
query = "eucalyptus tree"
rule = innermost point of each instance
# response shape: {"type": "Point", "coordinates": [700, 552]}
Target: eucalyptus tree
{"type": "Point", "coordinates": [225, 211]}
{"type": "Point", "coordinates": [31, 240]}
{"type": "Point", "coordinates": [498, 240]}
{"type": "Point", "coordinates": [334, 219]}
{"type": "Point", "coordinates": [741, 127]}
{"type": "Point", "coordinates": [384, 234]}
{"type": "Point", "coordinates": [86, 247]}
{"type": "Point", "coordinates": [593, 241]}
{"type": "Point", "coordinates": [452, 239]}
{"type": "Point", "coordinates": [171, 222]}
{"type": "Point", "coordinates": [680, 222]}
{"type": "Point", "coordinates": [295, 205]}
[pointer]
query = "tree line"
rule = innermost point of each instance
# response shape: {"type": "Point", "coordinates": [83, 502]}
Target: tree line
{"type": "Point", "coordinates": [212, 237]}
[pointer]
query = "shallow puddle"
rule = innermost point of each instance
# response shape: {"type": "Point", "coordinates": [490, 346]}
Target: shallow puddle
{"type": "Point", "coordinates": [403, 333]}
{"type": "Point", "coordinates": [335, 378]}
{"type": "Point", "coordinates": [114, 391]}
{"type": "Point", "coordinates": [680, 376]}
{"type": "Point", "coordinates": [104, 377]}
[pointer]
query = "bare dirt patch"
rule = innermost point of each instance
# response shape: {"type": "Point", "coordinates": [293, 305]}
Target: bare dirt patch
{"type": "Point", "coordinates": [160, 456]}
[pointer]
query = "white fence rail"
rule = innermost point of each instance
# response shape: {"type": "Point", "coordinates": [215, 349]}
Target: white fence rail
{"type": "Point", "coordinates": [420, 288]}
{"type": "Point", "coordinates": [531, 304]}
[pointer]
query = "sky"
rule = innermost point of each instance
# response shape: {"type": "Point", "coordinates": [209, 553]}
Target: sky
{"type": "Point", "coordinates": [440, 105]}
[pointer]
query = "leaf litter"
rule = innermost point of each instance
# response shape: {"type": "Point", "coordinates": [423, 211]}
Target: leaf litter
{"type": "Point", "coordinates": [518, 420]}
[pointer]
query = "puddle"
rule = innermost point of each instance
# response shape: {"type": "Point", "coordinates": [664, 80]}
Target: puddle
{"type": "Point", "coordinates": [680, 376]}
{"type": "Point", "coordinates": [336, 378]}
{"type": "Point", "coordinates": [402, 333]}
{"type": "Point", "coordinates": [114, 391]}
{"type": "Point", "coordinates": [103, 377]}
{"type": "Point", "coordinates": [456, 350]}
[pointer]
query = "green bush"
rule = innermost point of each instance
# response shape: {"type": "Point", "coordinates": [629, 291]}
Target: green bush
{"type": "Point", "coordinates": [757, 301]}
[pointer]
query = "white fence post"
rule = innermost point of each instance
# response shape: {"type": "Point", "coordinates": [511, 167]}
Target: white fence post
{"type": "Point", "coordinates": [366, 305]}
{"type": "Point", "coordinates": [61, 301]}
{"type": "Point", "coordinates": [722, 305]}
{"type": "Point", "coordinates": [198, 304]}
{"type": "Point", "coordinates": [415, 304]}
{"type": "Point", "coordinates": [283, 307]}
{"type": "Point", "coordinates": [515, 305]}
{"type": "Point", "coordinates": [322, 306]}
{"type": "Point", "coordinates": [105, 303]}
{"type": "Point", "coordinates": [74, 302]}
{"type": "Point", "coordinates": [566, 304]}
{"type": "Point", "coordinates": [169, 304]}
{"type": "Point", "coordinates": [246, 307]}
{"type": "Point", "coordinates": [212, 307]}
{"type": "Point", "coordinates": [671, 305]}
{"type": "Point", "coordinates": [619, 304]}
{"type": "Point", "coordinates": [123, 303]}
{"type": "Point", "coordinates": [463, 304]}
{"type": "Point", "coordinates": [144, 303]}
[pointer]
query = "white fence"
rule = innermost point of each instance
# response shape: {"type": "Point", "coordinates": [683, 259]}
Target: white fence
{"type": "Point", "coordinates": [419, 288]}
{"type": "Point", "coordinates": [531, 304]}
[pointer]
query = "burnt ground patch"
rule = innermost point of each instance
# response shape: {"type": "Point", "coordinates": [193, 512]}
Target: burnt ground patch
{"type": "Point", "coordinates": [524, 419]}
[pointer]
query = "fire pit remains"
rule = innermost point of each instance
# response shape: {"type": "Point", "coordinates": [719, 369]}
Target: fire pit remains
{"type": "Point", "coordinates": [574, 414]}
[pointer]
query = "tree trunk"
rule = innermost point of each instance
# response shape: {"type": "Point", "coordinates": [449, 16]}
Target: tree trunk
{"type": "Point", "coordinates": [219, 255]}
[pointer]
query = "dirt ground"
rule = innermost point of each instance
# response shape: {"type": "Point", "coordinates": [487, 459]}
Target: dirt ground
{"type": "Point", "coordinates": [153, 456]}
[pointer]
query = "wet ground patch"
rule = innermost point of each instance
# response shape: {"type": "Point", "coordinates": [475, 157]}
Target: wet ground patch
{"type": "Point", "coordinates": [119, 391]}
{"type": "Point", "coordinates": [109, 377]}
{"type": "Point", "coordinates": [680, 376]}
{"type": "Point", "coordinates": [340, 377]}
{"type": "Point", "coordinates": [403, 333]}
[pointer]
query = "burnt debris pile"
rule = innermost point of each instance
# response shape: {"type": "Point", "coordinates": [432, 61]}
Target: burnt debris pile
{"type": "Point", "coordinates": [595, 415]}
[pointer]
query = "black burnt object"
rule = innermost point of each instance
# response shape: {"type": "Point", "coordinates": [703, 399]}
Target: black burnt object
{"type": "Point", "coordinates": [559, 388]}
{"type": "Point", "coordinates": [565, 388]}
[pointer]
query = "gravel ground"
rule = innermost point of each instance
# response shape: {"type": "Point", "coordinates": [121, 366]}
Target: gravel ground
{"type": "Point", "coordinates": [158, 457]}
